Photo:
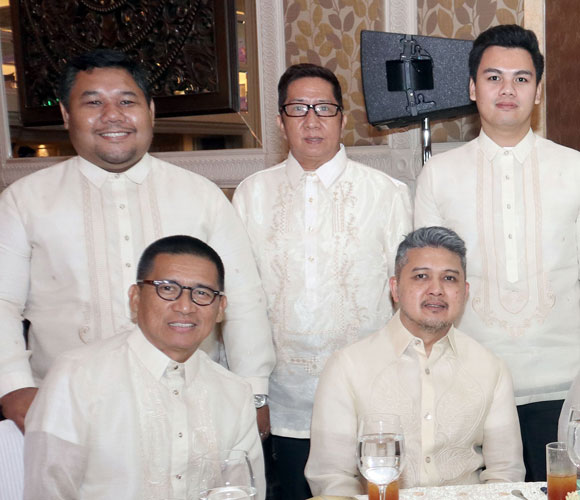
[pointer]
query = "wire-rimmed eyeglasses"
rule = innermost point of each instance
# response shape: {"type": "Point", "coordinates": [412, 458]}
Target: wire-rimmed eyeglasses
{"type": "Point", "coordinates": [171, 290]}
{"type": "Point", "coordinates": [300, 109]}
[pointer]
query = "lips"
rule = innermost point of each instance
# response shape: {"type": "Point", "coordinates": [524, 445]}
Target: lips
{"type": "Point", "coordinates": [181, 325]}
{"type": "Point", "coordinates": [507, 105]}
{"type": "Point", "coordinates": [313, 140]}
{"type": "Point", "coordinates": [114, 134]}
{"type": "Point", "coordinates": [435, 305]}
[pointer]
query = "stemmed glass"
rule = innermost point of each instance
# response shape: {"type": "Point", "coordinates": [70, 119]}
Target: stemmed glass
{"type": "Point", "coordinates": [380, 449]}
{"type": "Point", "coordinates": [226, 475]}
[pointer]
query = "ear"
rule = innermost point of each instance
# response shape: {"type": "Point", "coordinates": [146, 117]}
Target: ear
{"type": "Point", "coordinates": [466, 291]}
{"type": "Point", "coordinates": [280, 122]}
{"type": "Point", "coordinates": [152, 112]}
{"type": "Point", "coordinates": [472, 95]}
{"type": "Point", "coordinates": [538, 94]}
{"type": "Point", "coordinates": [134, 297]}
{"type": "Point", "coordinates": [65, 115]}
{"type": "Point", "coordinates": [394, 286]}
{"type": "Point", "coordinates": [344, 120]}
{"type": "Point", "coordinates": [221, 309]}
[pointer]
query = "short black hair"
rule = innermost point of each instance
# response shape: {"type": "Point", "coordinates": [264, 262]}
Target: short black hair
{"type": "Point", "coordinates": [510, 36]}
{"type": "Point", "coordinates": [307, 70]}
{"type": "Point", "coordinates": [179, 245]}
{"type": "Point", "coordinates": [430, 237]}
{"type": "Point", "coordinates": [101, 58]}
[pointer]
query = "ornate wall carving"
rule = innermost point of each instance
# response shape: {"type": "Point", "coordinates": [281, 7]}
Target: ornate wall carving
{"type": "Point", "coordinates": [186, 46]}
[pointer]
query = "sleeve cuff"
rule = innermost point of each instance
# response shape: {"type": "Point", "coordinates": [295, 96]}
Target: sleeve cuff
{"type": "Point", "coordinates": [14, 381]}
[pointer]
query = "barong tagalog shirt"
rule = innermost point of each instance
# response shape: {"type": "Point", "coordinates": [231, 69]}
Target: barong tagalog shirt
{"type": "Point", "coordinates": [70, 240]}
{"type": "Point", "coordinates": [325, 244]}
{"type": "Point", "coordinates": [518, 210]}
{"type": "Point", "coordinates": [118, 419]}
{"type": "Point", "coordinates": [457, 410]}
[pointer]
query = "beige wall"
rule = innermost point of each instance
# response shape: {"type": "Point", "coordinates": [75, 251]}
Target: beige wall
{"type": "Point", "coordinates": [327, 32]}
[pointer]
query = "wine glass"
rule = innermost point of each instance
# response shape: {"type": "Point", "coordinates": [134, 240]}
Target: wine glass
{"type": "Point", "coordinates": [573, 440]}
{"type": "Point", "coordinates": [226, 475]}
{"type": "Point", "coordinates": [380, 449]}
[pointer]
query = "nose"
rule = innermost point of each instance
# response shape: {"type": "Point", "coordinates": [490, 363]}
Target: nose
{"type": "Point", "coordinates": [311, 120]}
{"type": "Point", "coordinates": [184, 304]}
{"type": "Point", "coordinates": [112, 113]}
{"type": "Point", "coordinates": [435, 288]}
{"type": "Point", "coordinates": [507, 87]}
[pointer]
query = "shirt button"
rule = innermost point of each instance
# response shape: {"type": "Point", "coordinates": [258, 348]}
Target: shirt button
{"type": "Point", "coordinates": [180, 434]}
{"type": "Point", "coordinates": [427, 371]}
{"type": "Point", "coordinates": [117, 176]}
{"type": "Point", "coordinates": [176, 367]}
{"type": "Point", "coordinates": [122, 206]}
{"type": "Point", "coordinates": [310, 259]}
{"type": "Point", "coordinates": [428, 460]}
{"type": "Point", "coordinates": [507, 177]}
{"type": "Point", "coordinates": [310, 200]}
{"type": "Point", "coordinates": [127, 264]}
{"type": "Point", "coordinates": [428, 416]}
{"type": "Point", "coordinates": [417, 342]}
{"type": "Point", "coordinates": [510, 236]}
{"type": "Point", "coordinates": [176, 392]}
{"type": "Point", "coordinates": [309, 229]}
{"type": "Point", "coordinates": [126, 237]}
{"type": "Point", "coordinates": [178, 476]}
{"type": "Point", "coordinates": [509, 206]}
{"type": "Point", "coordinates": [505, 153]}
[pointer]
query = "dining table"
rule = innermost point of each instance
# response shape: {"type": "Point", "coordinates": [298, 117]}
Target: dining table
{"type": "Point", "coordinates": [488, 491]}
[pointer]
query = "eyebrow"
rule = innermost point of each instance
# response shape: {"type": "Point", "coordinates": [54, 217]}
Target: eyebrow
{"type": "Point", "coordinates": [501, 72]}
{"type": "Point", "coordinates": [321, 100]}
{"type": "Point", "coordinates": [415, 269]}
{"type": "Point", "coordinates": [92, 93]}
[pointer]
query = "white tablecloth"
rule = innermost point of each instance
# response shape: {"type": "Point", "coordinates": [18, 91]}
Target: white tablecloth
{"type": "Point", "coordinates": [473, 492]}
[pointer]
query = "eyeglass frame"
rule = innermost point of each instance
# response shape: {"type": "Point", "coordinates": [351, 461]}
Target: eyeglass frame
{"type": "Point", "coordinates": [156, 283]}
{"type": "Point", "coordinates": [311, 107]}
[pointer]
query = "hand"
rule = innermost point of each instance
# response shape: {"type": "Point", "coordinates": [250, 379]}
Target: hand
{"type": "Point", "coordinates": [15, 405]}
{"type": "Point", "coordinates": [263, 421]}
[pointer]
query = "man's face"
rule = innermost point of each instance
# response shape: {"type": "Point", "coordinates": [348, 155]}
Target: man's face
{"type": "Point", "coordinates": [505, 91]}
{"type": "Point", "coordinates": [177, 327]}
{"type": "Point", "coordinates": [312, 140]}
{"type": "Point", "coordinates": [109, 121]}
{"type": "Point", "coordinates": [431, 291]}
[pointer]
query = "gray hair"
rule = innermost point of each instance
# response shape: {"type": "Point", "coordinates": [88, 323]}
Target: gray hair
{"type": "Point", "coordinates": [430, 237]}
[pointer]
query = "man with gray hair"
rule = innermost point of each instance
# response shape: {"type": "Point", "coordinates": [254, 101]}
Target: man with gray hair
{"type": "Point", "coordinates": [453, 396]}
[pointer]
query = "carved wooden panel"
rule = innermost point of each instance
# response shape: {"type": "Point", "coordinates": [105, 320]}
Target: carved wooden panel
{"type": "Point", "coordinates": [188, 47]}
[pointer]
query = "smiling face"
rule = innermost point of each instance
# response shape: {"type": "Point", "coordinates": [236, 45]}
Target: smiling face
{"type": "Point", "coordinates": [312, 140]}
{"type": "Point", "coordinates": [177, 327]}
{"type": "Point", "coordinates": [430, 291]}
{"type": "Point", "coordinates": [505, 93]}
{"type": "Point", "coordinates": [109, 120]}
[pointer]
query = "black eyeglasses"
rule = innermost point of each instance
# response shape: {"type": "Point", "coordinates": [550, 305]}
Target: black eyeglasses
{"type": "Point", "coordinates": [322, 109]}
{"type": "Point", "coordinates": [171, 290]}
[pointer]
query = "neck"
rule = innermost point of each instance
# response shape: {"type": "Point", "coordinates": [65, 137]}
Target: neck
{"type": "Point", "coordinates": [506, 138]}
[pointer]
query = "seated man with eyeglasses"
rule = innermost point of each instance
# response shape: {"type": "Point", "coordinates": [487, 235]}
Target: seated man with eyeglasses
{"type": "Point", "coordinates": [324, 230]}
{"type": "Point", "coordinates": [130, 416]}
